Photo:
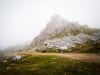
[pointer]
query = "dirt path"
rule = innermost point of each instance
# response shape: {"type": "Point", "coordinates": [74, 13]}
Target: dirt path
{"type": "Point", "coordinates": [76, 56]}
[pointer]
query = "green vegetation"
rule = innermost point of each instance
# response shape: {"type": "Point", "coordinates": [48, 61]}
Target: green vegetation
{"type": "Point", "coordinates": [89, 31]}
{"type": "Point", "coordinates": [35, 64]}
{"type": "Point", "coordinates": [88, 47]}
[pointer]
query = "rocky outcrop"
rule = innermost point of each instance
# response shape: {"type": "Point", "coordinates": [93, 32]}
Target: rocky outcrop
{"type": "Point", "coordinates": [62, 34]}
{"type": "Point", "coordinates": [15, 57]}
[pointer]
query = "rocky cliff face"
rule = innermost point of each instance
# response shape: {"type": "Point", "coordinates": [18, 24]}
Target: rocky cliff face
{"type": "Point", "coordinates": [62, 34]}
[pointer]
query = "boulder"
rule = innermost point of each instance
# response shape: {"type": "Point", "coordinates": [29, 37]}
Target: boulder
{"type": "Point", "coordinates": [16, 58]}
{"type": "Point", "coordinates": [63, 48]}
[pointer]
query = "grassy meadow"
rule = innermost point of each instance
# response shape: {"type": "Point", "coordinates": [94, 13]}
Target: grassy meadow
{"type": "Point", "coordinates": [45, 64]}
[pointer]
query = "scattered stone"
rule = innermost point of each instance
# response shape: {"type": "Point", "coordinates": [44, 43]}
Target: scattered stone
{"type": "Point", "coordinates": [4, 61]}
{"type": "Point", "coordinates": [85, 68]}
{"type": "Point", "coordinates": [69, 50]}
{"type": "Point", "coordinates": [63, 48]}
{"type": "Point", "coordinates": [61, 51]}
{"type": "Point", "coordinates": [17, 68]}
{"type": "Point", "coordinates": [23, 59]}
{"type": "Point", "coordinates": [30, 51]}
{"type": "Point", "coordinates": [8, 68]}
{"type": "Point", "coordinates": [73, 46]}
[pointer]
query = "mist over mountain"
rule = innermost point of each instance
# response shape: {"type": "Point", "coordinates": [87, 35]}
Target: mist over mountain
{"type": "Point", "coordinates": [62, 34]}
{"type": "Point", "coordinates": [18, 46]}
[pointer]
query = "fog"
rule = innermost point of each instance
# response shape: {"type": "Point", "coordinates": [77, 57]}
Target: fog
{"type": "Point", "coordinates": [22, 20]}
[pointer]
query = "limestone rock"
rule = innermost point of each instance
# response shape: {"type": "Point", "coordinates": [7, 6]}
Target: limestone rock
{"type": "Point", "coordinates": [62, 34]}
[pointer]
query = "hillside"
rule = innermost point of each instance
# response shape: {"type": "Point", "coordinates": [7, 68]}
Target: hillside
{"type": "Point", "coordinates": [62, 35]}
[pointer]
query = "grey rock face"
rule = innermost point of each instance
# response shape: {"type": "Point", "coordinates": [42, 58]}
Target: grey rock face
{"type": "Point", "coordinates": [58, 25]}
{"type": "Point", "coordinates": [69, 41]}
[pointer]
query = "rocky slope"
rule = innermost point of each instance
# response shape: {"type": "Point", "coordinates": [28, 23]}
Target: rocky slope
{"type": "Point", "coordinates": [61, 34]}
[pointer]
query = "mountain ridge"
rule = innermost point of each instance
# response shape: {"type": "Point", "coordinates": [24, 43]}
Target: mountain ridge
{"type": "Point", "coordinates": [58, 31]}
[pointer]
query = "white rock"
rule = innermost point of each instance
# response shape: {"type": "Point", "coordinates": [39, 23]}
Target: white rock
{"type": "Point", "coordinates": [69, 50]}
{"type": "Point", "coordinates": [8, 68]}
{"type": "Point", "coordinates": [16, 58]}
{"type": "Point", "coordinates": [4, 61]}
{"type": "Point", "coordinates": [63, 48]}
{"type": "Point", "coordinates": [30, 51]}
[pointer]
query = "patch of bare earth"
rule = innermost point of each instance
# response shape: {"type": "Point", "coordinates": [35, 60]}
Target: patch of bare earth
{"type": "Point", "coordinates": [76, 56]}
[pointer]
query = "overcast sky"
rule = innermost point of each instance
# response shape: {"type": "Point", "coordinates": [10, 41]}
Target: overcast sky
{"type": "Point", "coordinates": [22, 20]}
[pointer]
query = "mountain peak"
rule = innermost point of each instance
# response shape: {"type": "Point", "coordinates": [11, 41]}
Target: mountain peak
{"type": "Point", "coordinates": [55, 17]}
{"type": "Point", "coordinates": [59, 33]}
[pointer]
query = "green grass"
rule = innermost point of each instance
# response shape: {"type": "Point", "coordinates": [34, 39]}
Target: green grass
{"type": "Point", "coordinates": [91, 50]}
{"type": "Point", "coordinates": [89, 47]}
{"type": "Point", "coordinates": [36, 64]}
